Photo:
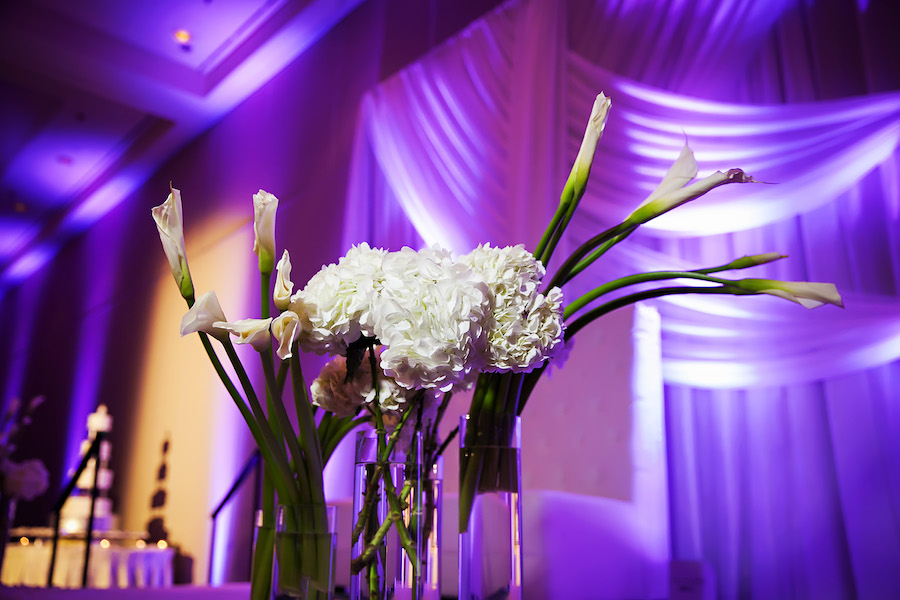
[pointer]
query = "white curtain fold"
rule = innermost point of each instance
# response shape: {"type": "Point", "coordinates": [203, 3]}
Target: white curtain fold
{"type": "Point", "coordinates": [776, 415]}
{"type": "Point", "coordinates": [446, 137]}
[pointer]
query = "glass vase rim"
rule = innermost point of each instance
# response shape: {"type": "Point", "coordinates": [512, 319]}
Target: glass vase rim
{"type": "Point", "coordinates": [331, 513]}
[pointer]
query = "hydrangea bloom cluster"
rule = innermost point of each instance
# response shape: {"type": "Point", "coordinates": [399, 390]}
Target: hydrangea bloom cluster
{"type": "Point", "coordinates": [525, 327]}
{"type": "Point", "coordinates": [332, 392]}
{"type": "Point", "coordinates": [439, 320]}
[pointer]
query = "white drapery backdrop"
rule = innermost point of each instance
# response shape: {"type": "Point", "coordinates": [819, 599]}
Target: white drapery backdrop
{"type": "Point", "coordinates": [782, 422]}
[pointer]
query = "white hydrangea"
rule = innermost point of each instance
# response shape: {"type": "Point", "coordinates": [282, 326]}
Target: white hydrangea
{"type": "Point", "coordinates": [430, 317]}
{"type": "Point", "coordinates": [440, 321]}
{"type": "Point", "coordinates": [338, 300]}
{"type": "Point", "coordinates": [542, 333]}
{"type": "Point", "coordinates": [525, 327]}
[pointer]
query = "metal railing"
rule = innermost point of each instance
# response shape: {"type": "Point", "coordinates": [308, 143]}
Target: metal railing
{"type": "Point", "coordinates": [93, 452]}
{"type": "Point", "coordinates": [253, 463]}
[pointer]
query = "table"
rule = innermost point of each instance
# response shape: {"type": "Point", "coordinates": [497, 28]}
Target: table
{"type": "Point", "coordinates": [111, 566]}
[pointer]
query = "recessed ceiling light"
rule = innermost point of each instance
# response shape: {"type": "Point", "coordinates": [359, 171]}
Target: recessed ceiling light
{"type": "Point", "coordinates": [183, 37]}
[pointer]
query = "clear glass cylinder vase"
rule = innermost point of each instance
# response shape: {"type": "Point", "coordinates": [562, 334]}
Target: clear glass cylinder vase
{"type": "Point", "coordinates": [386, 537]}
{"type": "Point", "coordinates": [432, 519]}
{"type": "Point", "coordinates": [305, 542]}
{"type": "Point", "coordinates": [262, 557]}
{"type": "Point", "coordinates": [490, 507]}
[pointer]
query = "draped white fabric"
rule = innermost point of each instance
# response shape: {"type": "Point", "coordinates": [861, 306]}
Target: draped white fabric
{"type": "Point", "coordinates": [472, 144]}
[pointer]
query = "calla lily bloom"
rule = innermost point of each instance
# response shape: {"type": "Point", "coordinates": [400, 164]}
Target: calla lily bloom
{"type": "Point", "coordinates": [203, 314]}
{"type": "Point", "coordinates": [675, 189]}
{"type": "Point", "coordinates": [596, 124]}
{"type": "Point", "coordinates": [286, 329]}
{"type": "Point", "coordinates": [168, 222]}
{"type": "Point", "coordinates": [751, 261]}
{"type": "Point", "coordinates": [248, 331]}
{"type": "Point", "coordinates": [284, 287]}
{"type": "Point", "coordinates": [805, 293]}
{"type": "Point", "coordinates": [264, 207]}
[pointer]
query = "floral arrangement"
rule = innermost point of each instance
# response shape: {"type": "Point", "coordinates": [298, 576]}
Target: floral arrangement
{"type": "Point", "coordinates": [409, 328]}
{"type": "Point", "coordinates": [25, 480]}
{"type": "Point", "coordinates": [293, 459]}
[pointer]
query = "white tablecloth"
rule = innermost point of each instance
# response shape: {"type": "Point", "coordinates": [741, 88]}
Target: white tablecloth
{"type": "Point", "coordinates": [231, 591]}
{"type": "Point", "coordinates": [112, 567]}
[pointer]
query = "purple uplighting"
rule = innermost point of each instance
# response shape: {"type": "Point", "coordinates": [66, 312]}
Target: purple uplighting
{"type": "Point", "coordinates": [734, 443]}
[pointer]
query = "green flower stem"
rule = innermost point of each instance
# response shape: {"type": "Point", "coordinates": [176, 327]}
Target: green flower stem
{"type": "Point", "coordinates": [562, 275]}
{"type": "Point", "coordinates": [378, 472]}
{"type": "Point", "coordinates": [616, 284]}
{"type": "Point", "coordinates": [309, 438]}
{"type": "Point", "coordinates": [446, 442]}
{"type": "Point", "coordinates": [570, 206]}
{"type": "Point", "coordinates": [402, 532]}
{"type": "Point", "coordinates": [264, 281]}
{"type": "Point", "coordinates": [586, 262]}
{"type": "Point", "coordinates": [481, 386]}
{"type": "Point", "coordinates": [395, 517]}
{"type": "Point", "coordinates": [471, 466]}
{"type": "Point", "coordinates": [344, 427]}
{"type": "Point", "coordinates": [551, 227]}
{"type": "Point", "coordinates": [551, 235]}
{"type": "Point", "coordinates": [481, 421]}
{"type": "Point", "coordinates": [357, 564]}
{"type": "Point", "coordinates": [324, 426]}
{"type": "Point", "coordinates": [528, 382]}
{"type": "Point", "coordinates": [501, 406]}
{"type": "Point", "coordinates": [277, 407]}
{"type": "Point", "coordinates": [612, 305]}
{"type": "Point", "coordinates": [283, 372]}
{"type": "Point", "coordinates": [368, 502]}
{"type": "Point", "coordinates": [272, 447]}
{"type": "Point", "coordinates": [430, 451]}
{"type": "Point", "coordinates": [374, 588]}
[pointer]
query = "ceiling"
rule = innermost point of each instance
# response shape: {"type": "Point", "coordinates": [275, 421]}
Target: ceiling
{"type": "Point", "coordinates": [96, 94]}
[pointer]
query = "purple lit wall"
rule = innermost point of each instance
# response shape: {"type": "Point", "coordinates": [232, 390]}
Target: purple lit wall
{"type": "Point", "coordinates": [770, 473]}
{"type": "Point", "coordinates": [782, 425]}
{"type": "Point", "coordinates": [85, 317]}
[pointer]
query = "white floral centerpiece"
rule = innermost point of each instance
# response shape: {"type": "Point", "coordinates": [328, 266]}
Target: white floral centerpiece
{"type": "Point", "coordinates": [409, 328]}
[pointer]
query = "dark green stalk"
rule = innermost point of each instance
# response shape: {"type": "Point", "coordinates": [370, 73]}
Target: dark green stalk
{"type": "Point", "coordinates": [616, 284]}
{"type": "Point", "coordinates": [264, 280]}
{"type": "Point", "coordinates": [271, 450]}
{"type": "Point", "coordinates": [570, 206]}
{"type": "Point", "coordinates": [562, 275]}
{"type": "Point", "coordinates": [561, 209]}
{"type": "Point", "coordinates": [612, 305]}
{"type": "Point", "coordinates": [586, 262]}
{"type": "Point", "coordinates": [309, 439]}
{"type": "Point", "coordinates": [277, 410]}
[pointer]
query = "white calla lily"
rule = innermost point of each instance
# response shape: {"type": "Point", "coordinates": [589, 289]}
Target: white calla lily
{"type": "Point", "coordinates": [675, 189]}
{"type": "Point", "coordinates": [284, 287]}
{"type": "Point", "coordinates": [248, 331]}
{"type": "Point", "coordinates": [805, 293]}
{"type": "Point", "coordinates": [171, 233]}
{"type": "Point", "coordinates": [585, 159]}
{"type": "Point", "coordinates": [202, 315]}
{"type": "Point", "coordinates": [264, 207]}
{"type": "Point", "coordinates": [286, 329]}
